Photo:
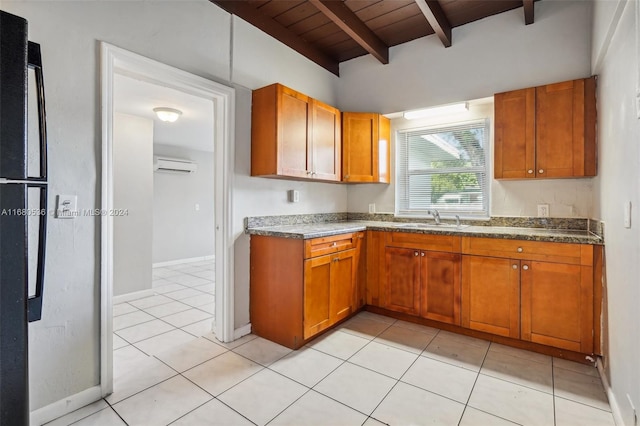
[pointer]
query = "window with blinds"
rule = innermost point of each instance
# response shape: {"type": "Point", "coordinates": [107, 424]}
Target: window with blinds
{"type": "Point", "coordinates": [443, 168]}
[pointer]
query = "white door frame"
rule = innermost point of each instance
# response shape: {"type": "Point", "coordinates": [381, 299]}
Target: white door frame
{"type": "Point", "coordinates": [116, 60]}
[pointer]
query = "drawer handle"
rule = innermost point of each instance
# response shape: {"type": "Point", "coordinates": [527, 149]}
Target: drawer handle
{"type": "Point", "coordinates": [520, 250]}
{"type": "Point", "coordinates": [514, 266]}
{"type": "Point", "coordinates": [415, 253]}
{"type": "Point", "coordinates": [525, 267]}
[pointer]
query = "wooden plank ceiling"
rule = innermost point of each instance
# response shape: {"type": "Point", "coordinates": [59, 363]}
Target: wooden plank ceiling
{"type": "Point", "coordinates": [332, 31]}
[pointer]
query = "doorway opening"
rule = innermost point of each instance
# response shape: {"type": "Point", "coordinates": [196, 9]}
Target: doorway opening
{"type": "Point", "coordinates": [182, 258]}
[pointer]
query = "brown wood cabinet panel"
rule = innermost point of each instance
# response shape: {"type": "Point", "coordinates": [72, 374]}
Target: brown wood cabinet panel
{"type": "Point", "coordinates": [446, 243]}
{"type": "Point", "coordinates": [530, 250]}
{"type": "Point", "coordinates": [344, 270]}
{"type": "Point", "coordinates": [331, 244]}
{"type": "Point", "coordinates": [491, 295]}
{"type": "Point", "coordinates": [440, 286]}
{"type": "Point", "coordinates": [557, 305]}
{"type": "Point", "coordinates": [276, 289]}
{"type": "Point", "coordinates": [326, 142]}
{"type": "Point", "coordinates": [293, 133]}
{"type": "Point", "coordinates": [365, 147]}
{"type": "Point", "coordinates": [317, 294]}
{"type": "Point", "coordinates": [402, 283]}
{"type": "Point", "coordinates": [515, 134]}
{"type": "Point", "coordinates": [376, 274]}
{"type": "Point", "coordinates": [546, 131]}
{"type": "Point", "coordinates": [294, 136]}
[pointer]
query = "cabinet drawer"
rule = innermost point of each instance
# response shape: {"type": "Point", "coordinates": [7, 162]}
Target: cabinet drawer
{"type": "Point", "coordinates": [447, 243]}
{"type": "Point", "coordinates": [578, 254]}
{"type": "Point", "coordinates": [335, 243]}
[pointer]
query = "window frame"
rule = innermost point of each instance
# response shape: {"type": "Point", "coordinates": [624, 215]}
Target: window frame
{"type": "Point", "coordinates": [401, 211]}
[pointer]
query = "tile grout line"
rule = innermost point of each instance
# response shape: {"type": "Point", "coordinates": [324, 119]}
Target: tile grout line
{"type": "Point", "coordinates": [474, 383]}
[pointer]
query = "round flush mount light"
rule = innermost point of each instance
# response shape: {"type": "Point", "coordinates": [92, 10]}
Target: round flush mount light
{"type": "Point", "coordinates": [167, 114]}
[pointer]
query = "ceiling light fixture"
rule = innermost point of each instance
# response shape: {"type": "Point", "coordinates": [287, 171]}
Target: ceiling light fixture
{"type": "Point", "coordinates": [167, 114]}
{"type": "Point", "coordinates": [440, 110]}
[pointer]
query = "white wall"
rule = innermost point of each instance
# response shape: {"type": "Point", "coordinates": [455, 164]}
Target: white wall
{"type": "Point", "coordinates": [133, 192]}
{"type": "Point", "coordinates": [489, 56]}
{"type": "Point", "coordinates": [191, 35]}
{"type": "Point", "coordinates": [180, 231]}
{"type": "Point", "coordinates": [617, 183]}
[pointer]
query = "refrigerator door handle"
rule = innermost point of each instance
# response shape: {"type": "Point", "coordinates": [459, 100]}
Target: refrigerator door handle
{"type": "Point", "coordinates": [34, 303]}
{"type": "Point", "coordinates": [35, 62]}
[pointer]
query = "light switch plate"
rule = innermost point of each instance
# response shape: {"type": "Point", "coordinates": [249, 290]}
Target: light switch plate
{"type": "Point", "coordinates": [293, 195]}
{"type": "Point", "coordinates": [543, 210]}
{"type": "Point", "coordinates": [372, 208]}
{"type": "Point", "coordinates": [67, 207]}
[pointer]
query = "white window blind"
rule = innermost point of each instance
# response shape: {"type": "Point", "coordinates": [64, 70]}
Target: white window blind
{"type": "Point", "coordinates": [443, 168]}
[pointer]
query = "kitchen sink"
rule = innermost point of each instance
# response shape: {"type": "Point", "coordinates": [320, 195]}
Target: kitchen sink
{"type": "Point", "coordinates": [432, 226]}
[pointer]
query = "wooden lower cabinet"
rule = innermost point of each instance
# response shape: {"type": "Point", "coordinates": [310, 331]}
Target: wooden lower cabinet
{"type": "Point", "coordinates": [423, 283]}
{"type": "Point", "coordinates": [491, 295]}
{"type": "Point", "coordinates": [557, 305]}
{"type": "Point", "coordinates": [302, 287]}
{"type": "Point", "coordinates": [330, 292]}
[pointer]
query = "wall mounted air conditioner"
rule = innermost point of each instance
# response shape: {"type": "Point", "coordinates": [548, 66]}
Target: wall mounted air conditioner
{"type": "Point", "coordinates": [173, 165]}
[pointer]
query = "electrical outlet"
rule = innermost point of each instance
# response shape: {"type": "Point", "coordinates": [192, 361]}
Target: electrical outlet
{"type": "Point", "coordinates": [543, 210]}
{"type": "Point", "coordinates": [372, 208]}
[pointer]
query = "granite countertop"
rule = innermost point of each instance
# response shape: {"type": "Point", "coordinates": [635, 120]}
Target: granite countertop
{"type": "Point", "coordinates": [315, 230]}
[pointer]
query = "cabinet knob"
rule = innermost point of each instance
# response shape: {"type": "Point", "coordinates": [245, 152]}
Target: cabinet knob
{"type": "Point", "coordinates": [540, 171]}
{"type": "Point", "coordinates": [334, 244]}
{"type": "Point", "coordinates": [347, 176]}
{"type": "Point", "coordinates": [525, 267]}
{"type": "Point", "coordinates": [415, 253]}
{"type": "Point", "coordinates": [514, 266]}
{"type": "Point", "coordinates": [519, 249]}
{"type": "Point", "coordinates": [308, 172]}
{"type": "Point", "coordinates": [335, 259]}
{"type": "Point", "coordinates": [422, 254]}
{"type": "Point", "coordinates": [530, 171]}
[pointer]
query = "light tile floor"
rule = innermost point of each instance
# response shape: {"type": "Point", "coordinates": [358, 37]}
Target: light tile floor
{"type": "Point", "coordinates": [372, 370]}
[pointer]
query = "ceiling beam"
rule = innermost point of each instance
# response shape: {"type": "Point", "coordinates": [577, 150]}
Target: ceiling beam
{"type": "Point", "coordinates": [340, 14]}
{"type": "Point", "coordinates": [437, 19]}
{"type": "Point", "coordinates": [528, 11]}
{"type": "Point", "coordinates": [270, 26]}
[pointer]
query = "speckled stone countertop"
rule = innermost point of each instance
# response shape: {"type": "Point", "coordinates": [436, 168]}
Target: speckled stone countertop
{"type": "Point", "coordinates": [315, 230]}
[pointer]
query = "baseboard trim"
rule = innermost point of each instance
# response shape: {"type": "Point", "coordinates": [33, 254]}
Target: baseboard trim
{"type": "Point", "coordinates": [65, 406]}
{"type": "Point", "coordinates": [242, 331]}
{"type": "Point", "coordinates": [133, 296]}
{"type": "Point", "coordinates": [181, 261]}
{"type": "Point", "coordinates": [613, 402]}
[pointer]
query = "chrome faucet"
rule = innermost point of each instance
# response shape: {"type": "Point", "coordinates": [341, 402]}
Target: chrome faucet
{"type": "Point", "coordinates": [436, 215]}
{"type": "Point", "coordinates": [458, 221]}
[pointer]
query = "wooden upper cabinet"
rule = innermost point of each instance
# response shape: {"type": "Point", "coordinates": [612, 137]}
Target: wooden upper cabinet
{"type": "Point", "coordinates": [546, 131]}
{"type": "Point", "coordinates": [515, 134]}
{"type": "Point", "coordinates": [366, 147]}
{"type": "Point", "coordinates": [294, 136]}
{"type": "Point", "coordinates": [326, 141]}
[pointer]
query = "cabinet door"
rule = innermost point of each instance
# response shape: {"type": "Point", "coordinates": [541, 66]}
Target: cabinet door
{"type": "Point", "coordinates": [365, 147]}
{"type": "Point", "coordinates": [559, 128]}
{"type": "Point", "coordinates": [402, 281]}
{"type": "Point", "coordinates": [326, 142]}
{"type": "Point", "coordinates": [557, 305]}
{"type": "Point", "coordinates": [317, 294]}
{"type": "Point", "coordinates": [440, 286]}
{"type": "Point", "coordinates": [515, 134]}
{"type": "Point", "coordinates": [293, 129]}
{"type": "Point", "coordinates": [344, 269]}
{"type": "Point", "coordinates": [491, 295]}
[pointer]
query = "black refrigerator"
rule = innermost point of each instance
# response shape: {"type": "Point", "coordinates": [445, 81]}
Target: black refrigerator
{"type": "Point", "coordinates": [23, 210]}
